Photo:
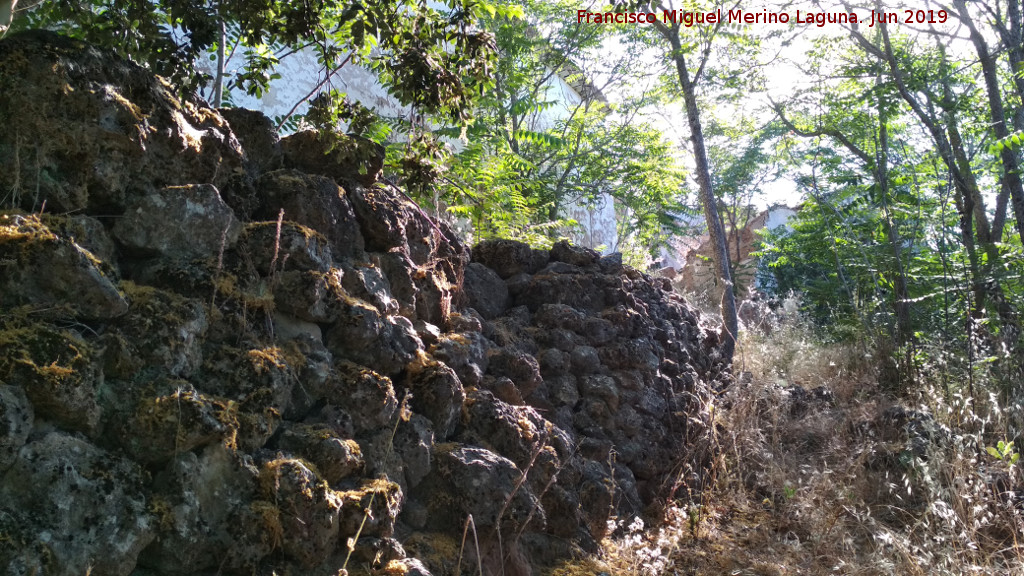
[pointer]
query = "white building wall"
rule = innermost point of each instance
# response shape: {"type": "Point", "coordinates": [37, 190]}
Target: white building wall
{"type": "Point", "coordinates": [597, 219]}
{"type": "Point", "coordinates": [300, 75]}
{"type": "Point", "coordinates": [779, 216]}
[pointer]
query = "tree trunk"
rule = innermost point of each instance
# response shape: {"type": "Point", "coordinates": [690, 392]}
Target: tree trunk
{"type": "Point", "coordinates": [716, 230]}
{"type": "Point", "coordinates": [6, 14]}
{"type": "Point", "coordinates": [1011, 167]}
{"type": "Point", "coordinates": [1011, 35]}
{"type": "Point", "coordinates": [901, 299]}
{"type": "Point", "coordinates": [218, 82]}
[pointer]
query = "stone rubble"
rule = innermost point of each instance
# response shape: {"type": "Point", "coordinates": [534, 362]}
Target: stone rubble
{"type": "Point", "coordinates": [225, 352]}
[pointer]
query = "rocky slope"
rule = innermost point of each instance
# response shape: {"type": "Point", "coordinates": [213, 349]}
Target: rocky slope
{"type": "Point", "coordinates": [222, 352]}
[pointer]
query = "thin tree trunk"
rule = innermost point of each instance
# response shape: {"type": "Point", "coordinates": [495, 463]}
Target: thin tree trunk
{"type": "Point", "coordinates": [6, 14]}
{"type": "Point", "coordinates": [1011, 166]}
{"type": "Point", "coordinates": [901, 300]}
{"type": "Point", "coordinates": [218, 82]}
{"type": "Point", "coordinates": [716, 230]}
{"type": "Point", "coordinates": [1012, 41]}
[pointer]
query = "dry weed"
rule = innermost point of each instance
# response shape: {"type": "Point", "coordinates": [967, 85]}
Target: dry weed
{"type": "Point", "coordinates": [822, 473]}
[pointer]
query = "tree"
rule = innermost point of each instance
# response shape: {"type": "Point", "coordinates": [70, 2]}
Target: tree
{"type": "Point", "coordinates": [847, 127]}
{"type": "Point", "coordinates": [7, 14]}
{"type": "Point", "coordinates": [909, 159]}
{"type": "Point", "coordinates": [529, 154]}
{"type": "Point", "coordinates": [742, 162]}
{"type": "Point", "coordinates": [435, 60]}
{"type": "Point", "coordinates": [689, 51]}
{"type": "Point", "coordinates": [933, 100]}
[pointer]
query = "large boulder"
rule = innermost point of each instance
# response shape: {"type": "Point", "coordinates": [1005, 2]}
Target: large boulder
{"type": "Point", "coordinates": [208, 515]}
{"type": "Point", "coordinates": [43, 269]}
{"type": "Point", "coordinates": [86, 129]}
{"type": "Point", "coordinates": [162, 331]}
{"type": "Point", "coordinates": [308, 510]}
{"type": "Point", "coordinates": [470, 480]}
{"type": "Point", "coordinates": [297, 399]}
{"type": "Point", "coordinates": [79, 509]}
{"type": "Point", "coordinates": [291, 246]}
{"type": "Point", "coordinates": [259, 139]}
{"type": "Point", "coordinates": [344, 158]}
{"type": "Point", "coordinates": [57, 370]}
{"type": "Point", "coordinates": [314, 201]}
{"type": "Point", "coordinates": [178, 222]}
{"type": "Point", "coordinates": [485, 291]}
{"type": "Point", "coordinates": [508, 257]}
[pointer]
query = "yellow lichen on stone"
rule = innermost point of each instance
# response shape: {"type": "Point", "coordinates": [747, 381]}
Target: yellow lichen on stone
{"type": "Point", "coordinates": [38, 354]}
{"type": "Point", "coordinates": [229, 416]}
{"type": "Point", "coordinates": [151, 306]}
{"type": "Point", "coordinates": [28, 227]}
{"type": "Point", "coordinates": [380, 487]}
{"type": "Point", "coordinates": [272, 472]}
{"type": "Point", "coordinates": [160, 508]}
{"type": "Point", "coordinates": [438, 549]}
{"type": "Point", "coordinates": [270, 522]}
{"type": "Point", "coordinates": [266, 359]}
{"type": "Point", "coordinates": [133, 110]}
{"type": "Point", "coordinates": [395, 568]}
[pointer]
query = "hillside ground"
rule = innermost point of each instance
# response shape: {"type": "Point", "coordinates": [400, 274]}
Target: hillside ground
{"type": "Point", "coordinates": [821, 472]}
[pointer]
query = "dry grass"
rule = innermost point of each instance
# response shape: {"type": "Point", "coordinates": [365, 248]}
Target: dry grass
{"type": "Point", "coordinates": [821, 473]}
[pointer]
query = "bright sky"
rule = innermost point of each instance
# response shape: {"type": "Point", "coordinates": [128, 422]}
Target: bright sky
{"type": "Point", "coordinates": [781, 62]}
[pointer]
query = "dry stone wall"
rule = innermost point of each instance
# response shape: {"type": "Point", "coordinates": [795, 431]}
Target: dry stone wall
{"type": "Point", "coordinates": [222, 352]}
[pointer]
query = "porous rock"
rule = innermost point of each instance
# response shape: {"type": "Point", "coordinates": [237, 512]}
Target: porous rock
{"type": "Point", "coordinates": [290, 247]}
{"type": "Point", "coordinates": [437, 393]}
{"type": "Point", "coordinates": [308, 510]}
{"type": "Point", "coordinates": [179, 222]}
{"type": "Point", "coordinates": [506, 257]}
{"type": "Point", "coordinates": [207, 515]}
{"type": "Point", "coordinates": [344, 158]}
{"type": "Point", "coordinates": [163, 419]}
{"type": "Point", "coordinates": [470, 480]}
{"type": "Point", "coordinates": [335, 458]}
{"type": "Point", "coordinates": [484, 290]}
{"type": "Point", "coordinates": [85, 129]}
{"type": "Point", "coordinates": [258, 137]}
{"type": "Point", "coordinates": [84, 509]}
{"type": "Point", "coordinates": [40, 268]}
{"type": "Point", "coordinates": [364, 336]}
{"type": "Point", "coordinates": [161, 331]}
{"type": "Point", "coordinates": [16, 421]}
{"type": "Point", "coordinates": [56, 369]}
{"type": "Point", "coordinates": [370, 394]}
{"type": "Point", "coordinates": [371, 509]}
{"type": "Point", "coordinates": [341, 371]}
{"type": "Point", "coordinates": [313, 201]}
{"type": "Point", "coordinates": [580, 256]}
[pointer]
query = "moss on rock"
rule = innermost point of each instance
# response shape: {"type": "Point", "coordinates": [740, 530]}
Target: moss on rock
{"type": "Point", "coordinates": [56, 369]}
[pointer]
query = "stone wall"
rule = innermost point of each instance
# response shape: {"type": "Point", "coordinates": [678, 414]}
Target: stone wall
{"type": "Point", "coordinates": [222, 352]}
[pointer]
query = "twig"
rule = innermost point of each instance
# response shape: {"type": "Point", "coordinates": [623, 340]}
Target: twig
{"type": "Point", "coordinates": [542, 442]}
{"type": "Point", "coordinates": [220, 265]}
{"type": "Point", "coordinates": [462, 547]}
{"type": "Point", "coordinates": [327, 78]}
{"type": "Point", "coordinates": [277, 242]}
{"type": "Point", "coordinates": [403, 415]}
